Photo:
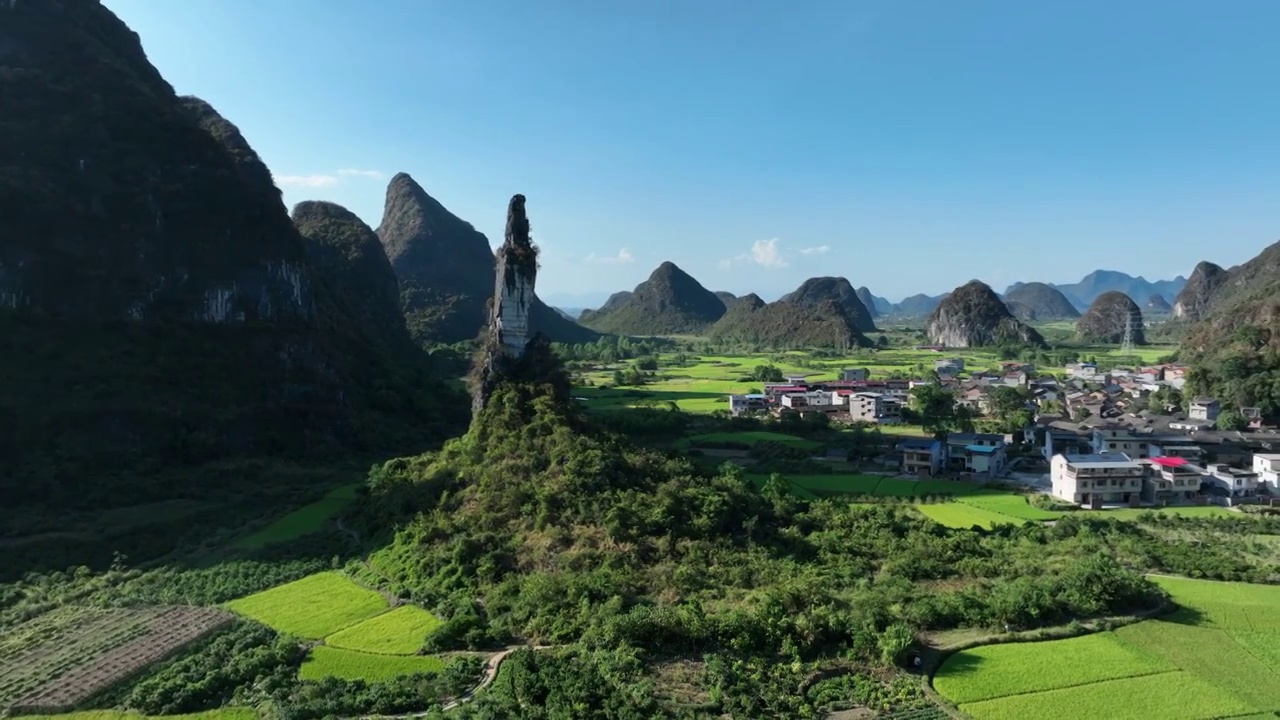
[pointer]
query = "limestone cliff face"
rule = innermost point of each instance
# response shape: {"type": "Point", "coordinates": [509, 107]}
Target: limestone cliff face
{"type": "Point", "coordinates": [1107, 317]}
{"type": "Point", "coordinates": [512, 351]}
{"type": "Point", "coordinates": [1195, 298]}
{"type": "Point", "coordinates": [973, 316]}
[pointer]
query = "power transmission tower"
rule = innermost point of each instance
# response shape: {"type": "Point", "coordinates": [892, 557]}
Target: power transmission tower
{"type": "Point", "coordinates": [1126, 345]}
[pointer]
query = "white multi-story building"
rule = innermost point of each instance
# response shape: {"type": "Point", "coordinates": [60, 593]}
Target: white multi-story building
{"type": "Point", "coordinates": [1237, 483]}
{"type": "Point", "coordinates": [1267, 465]}
{"type": "Point", "coordinates": [1111, 478]}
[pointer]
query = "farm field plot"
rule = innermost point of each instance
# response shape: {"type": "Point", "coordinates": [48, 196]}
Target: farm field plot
{"type": "Point", "coordinates": [753, 437]}
{"type": "Point", "coordinates": [993, 671]}
{"type": "Point", "coordinates": [83, 656]}
{"type": "Point", "coordinates": [1009, 504]}
{"type": "Point", "coordinates": [326, 661]}
{"type": "Point", "coordinates": [1215, 657]}
{"type": "Point", "coordinates": [303, 521]}
{"type": "Point", "coordinates": [313, 607]}
{"type": "Point", "coordinates": [963, 515]}
{"type": "Point", "coordinates": [399, 632]}
{"type": "Point", "coordinates": [227, 713]}
{"type": "Point", "coordinates": [877, 485]}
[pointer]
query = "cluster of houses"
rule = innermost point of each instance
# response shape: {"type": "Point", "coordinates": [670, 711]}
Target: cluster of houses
{"type": "Point", "coordinates": [854, 398]}
{"type": "Point", "coordinates": [1106, 441]}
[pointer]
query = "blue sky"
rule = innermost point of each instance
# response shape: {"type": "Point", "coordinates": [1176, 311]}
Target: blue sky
{"type": "Point", "coordinates": [909, 146]}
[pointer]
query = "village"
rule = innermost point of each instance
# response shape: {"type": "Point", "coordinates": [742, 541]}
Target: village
{"type": "Point", "coordinates": [1096, 439]}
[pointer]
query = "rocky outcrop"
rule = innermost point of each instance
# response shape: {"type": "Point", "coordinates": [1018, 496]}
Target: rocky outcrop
{"type": "Point", "coordinates": [1108, 316]}
{"type": "Point", "coordinates": [513, 350]}
{"type": "Point", "coordinates": [785, 324]}
{"type": "Point", "coordinates": [670, 302]}
{"type": "Point", "coordinates": [1197, 296]}
{"type": "Point", "coordinates": [816, 291]}
{"type": "Point", "coordinates": [1158, 305]}
{"type": "Point", "coordinates": [1044, 301]}
{"type": "Point", "coordinates": [974, 316]}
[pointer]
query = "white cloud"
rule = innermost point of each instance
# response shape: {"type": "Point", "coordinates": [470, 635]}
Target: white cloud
{"type": "Point", "coordinates": [371, 174]}
{"type": "Point", "coordinates": [622, 258]}
{"type": "Point", "coordinates": [819, 250]}
{"type": "Point", "coordinates": [327, 180]}
{"type": "Point", "coordinates": [763, 252]}
{"type": "Point", "coordinates": [306, 181]}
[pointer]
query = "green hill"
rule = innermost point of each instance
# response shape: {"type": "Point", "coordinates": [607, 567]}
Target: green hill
{"type": "Point", "coordinates": [670, 302]}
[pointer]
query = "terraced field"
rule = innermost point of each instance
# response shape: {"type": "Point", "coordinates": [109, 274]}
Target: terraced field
{"type": "Point", "coordinates": [313, 607]}
{"type": "Point", "coordinates": [60, 660]}
{"type": "Point", "coordinates": [1214, 658]}
{"type": "Point", "coordinates": [362, 637]}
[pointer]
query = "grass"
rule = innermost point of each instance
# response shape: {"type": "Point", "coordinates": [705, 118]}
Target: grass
{"type": "Point", "coordinates": [313, 607]}
{"type": "Point", "coordinates": [1189, 511]}
{"type": "Point", "coordinates": [220, 714]}
{"type": "Point", "coordinates": [995, 671]}
{"type": "Point", "coordinates": [399, 632]}
{"type": "Point", "coordinates": [1218, 656]}
{"type": "Point", "coordinates": [335, 662]}
{"type": "Point", "coordinates": [962, 515]}
{"type": "Point", "coordinates": [753, 437]}
{"type": "Point", "coordinates": [303, 521]}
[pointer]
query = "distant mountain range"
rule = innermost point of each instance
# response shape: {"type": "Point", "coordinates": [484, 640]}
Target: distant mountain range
{"type": "Point", "coordinates": [1098, 282]}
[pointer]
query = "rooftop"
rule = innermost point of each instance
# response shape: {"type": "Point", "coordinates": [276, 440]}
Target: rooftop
{"type": "Point", "coordinates": [984, 449]}
{"type": "Point", "coordinates": [1113, 460]}
{"type": "Point", "coordinates": [1169, 462]}
{"type": "Point", "coordinates": [916, 443]}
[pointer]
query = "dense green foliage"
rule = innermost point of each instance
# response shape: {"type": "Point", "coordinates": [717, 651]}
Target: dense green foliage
{"type": "Point", "coordinates": [817, 291]}
{"type": "Point", "coordinates": [781, 324]}
{"type": "Point", "coordinates": [670, 302]}
{"type": "Point", "coordinates": [607, 543]}
{"type": "Point", "coordinates": [974, 316]}
{"type": "Point", "coordinates": [1106, 319]}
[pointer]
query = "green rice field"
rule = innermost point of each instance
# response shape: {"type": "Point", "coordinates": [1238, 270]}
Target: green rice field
{"type": "Point", "coordinates": [313, 607]}
{"type": "Point", "coordinates": [303, 521]}
{"type": "Point", "coordinates": [399, 632]}
{"type": "Point", "coordinates": [1216, 657]}
{"type": "Point", "coordinates": [327, 661]}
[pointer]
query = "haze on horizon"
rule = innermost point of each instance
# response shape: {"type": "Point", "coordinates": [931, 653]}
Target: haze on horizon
{"type": "Point", "coordinates": [907, 147]}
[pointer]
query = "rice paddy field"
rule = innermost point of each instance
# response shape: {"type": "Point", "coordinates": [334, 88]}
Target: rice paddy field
{"type": "Point", "coordinates": [1216, 657]}
{"type": "Point", "coordinates": [362, 637]}
{"type": "Point", "coordinates": [752, 437]}
{"type": "Point", "coordinates": [303, 521]}
{"type": "Point", "coordinates": [313, 607]}
{"type": "Point", "coordinates": [703, 387]}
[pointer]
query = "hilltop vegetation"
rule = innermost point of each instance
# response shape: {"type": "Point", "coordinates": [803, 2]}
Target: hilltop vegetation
{"type": "Point", "coordinates": [1045, 302]}
{"type": "Point", "coordinates": [1108, 318]}
{"type": "Point", "coordinates": [788, 324]}
{"type": "Point", "coordinates": [1235, 348]}
{"type": "Point", "coordinates": [974, 316]}
{"type": "Point", "coordinates": [670, 302]}
{"type": "Point", "coordinates": [815, 292]}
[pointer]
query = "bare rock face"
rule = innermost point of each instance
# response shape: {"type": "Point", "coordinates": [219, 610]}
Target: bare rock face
{"type": "Point", "coordinates": [974, 316]}
{"type": "Point", "coordinates": [1106, 320]}
{"type": "Point", "coordinates": [1196, 297]}
{"type": "Point", "coordinates": [513, 349]}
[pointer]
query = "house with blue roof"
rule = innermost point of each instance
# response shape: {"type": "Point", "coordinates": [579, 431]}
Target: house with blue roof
{"type": "Point", "coordinates": [976, 453]}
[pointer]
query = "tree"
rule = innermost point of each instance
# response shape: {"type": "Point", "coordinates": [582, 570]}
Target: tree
{"type": "Point", "coordinates": [882, 341]}
{"type": "Point", "coordinates": [934, 408]}
{"type": "Point", "coordinates": [1229, 420]}
{"type": "Point", "coordinates": [767, 373]}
